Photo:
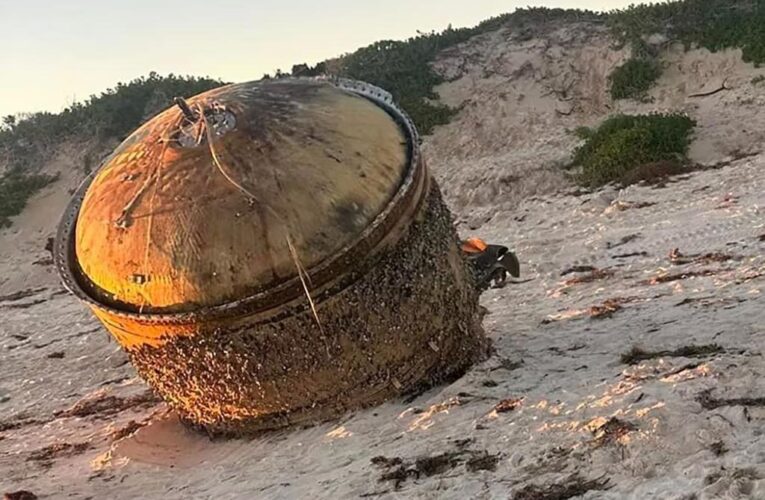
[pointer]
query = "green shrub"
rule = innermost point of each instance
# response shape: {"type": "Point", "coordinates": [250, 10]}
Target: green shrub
{"type": "Point", "coordinates": [713, 24]}
{"type": "Point", "coordinates": [623, 143]}
{"type": "Point", "coordinates": [583, 132]}
{"type": "Point", "coordinates": [634, 78]}
{"type": "Point", "coordinates": [15, 189]}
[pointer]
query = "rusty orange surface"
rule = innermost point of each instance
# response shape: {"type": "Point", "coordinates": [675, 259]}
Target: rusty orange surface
{"type": "Point", "coordinates": [167, 227]}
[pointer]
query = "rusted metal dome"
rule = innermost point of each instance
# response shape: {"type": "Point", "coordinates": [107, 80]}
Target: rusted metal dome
{"type": "Point", "coordinates": [274, 252]}
{"type": "Point", "coordinates": [174, 222]}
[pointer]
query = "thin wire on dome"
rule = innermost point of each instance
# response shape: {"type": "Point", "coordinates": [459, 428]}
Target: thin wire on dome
{"type": "Point", "coordinates": [302, 273]}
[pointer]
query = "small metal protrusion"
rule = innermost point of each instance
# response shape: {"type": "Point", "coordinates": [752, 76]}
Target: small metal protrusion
{"type": "Point", "coordinates": [187, 112]}
{"type": "Point", "coordinates": [139, 279]}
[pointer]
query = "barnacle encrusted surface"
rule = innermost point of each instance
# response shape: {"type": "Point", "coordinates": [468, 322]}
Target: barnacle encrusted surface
{"type": "Point", "coordinates": [408, 323]}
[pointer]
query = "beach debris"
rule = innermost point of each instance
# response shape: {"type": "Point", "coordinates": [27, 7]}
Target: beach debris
{"type": "Point", "coordinates": [573, 486]}
{"type": "Point", "coordinates": [635, 355]}
{"type": "Point", "coordinates": [127, 430]}
{"type": "Point", "coordinates": [708, 402]}
{"type": "Point", "coordinates": [399, 470]}
{"type": "Point", "coordinates": [385, 461]}
{"type": "Point", "coordinates": [677, 257]}
{"type": "Point", "coordinates": [20, 495]}
{"type": "Point", "coordinates": [606, 309]}
{"type": "Point", "coordinates": [491, 264]}
{"type": "Point", "coordinates": [599, 311]}
{"type": "Point", "coordinates": [621, 206]}
{"type": "Point", "coordinates": [508, 405]}
{"type": "Point", "coordinates": [612, 431]}
{"type": "Point", "coordinates": [45, 456]}
{"type": "Point", "coordinates": [623, 241]}
{"type": "Point", "coordinates": [24, 305]}
{"type": "Point", "coordinates": [630, 255]}
{"type": "Point", "coordinates": [17, 422]}
{"type": "Point", "coordinates": [668, 278]}
{"type": "Point", "coordinates": [23, 294]}
{"type": "Point", "coordinates": [483, 461]}
{"type": "Point", "coordinates": [578, 269]}
{"type": "Point", "coordinates": [103, 405]}
{"type": "Point", "coordinates": [714, 91]}
{"type": "Point", "coordinates": [718, 448]}
{"type": "Point", "coordinates": [593, 275]}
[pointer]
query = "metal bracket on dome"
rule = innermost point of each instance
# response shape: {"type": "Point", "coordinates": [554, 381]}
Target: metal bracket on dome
{"type": "Point", "coordinates": [379, 96]}
{"type": "Point", "coordinates": [364, 88]}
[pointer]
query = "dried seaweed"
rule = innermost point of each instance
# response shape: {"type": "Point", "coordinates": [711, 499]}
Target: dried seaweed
{"type": "Point", "coordinates": [126, 430]}
{"type": "Point", "coordinates": [508, 405]}
{"type": "Point", "coordinates": [483, 461]}
{"type": "Point", "coordinates": [708, 402]}
{"type": "Point", "coordinates": [677, 257]}
{"type": "Point", "coordinates": [636, 354]}
{"type": "Point", "coordinates": [58, 450]}
{"type": "Point", "coordinates": [19, 495]}
{"type": "Point", "coordinates": [571, 487]}
{"type": "Point", "coordinates": [613, 430]}
{"type": "Point", "coordinates": [399, 470]}
{"type": "Point", "coordinates": [578, 269]}
{"type": "Point", "coordinates": [108, 405]}
{"type": "Point", "coordinates": [668, 278]}
{"type": "Point", "coordinates": [23, 294]}
{"type": "Point", "coordinates": [594, 275]}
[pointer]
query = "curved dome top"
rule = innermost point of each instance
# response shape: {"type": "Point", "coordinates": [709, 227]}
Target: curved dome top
{"type": "Point", "coordinates": [200, 207]}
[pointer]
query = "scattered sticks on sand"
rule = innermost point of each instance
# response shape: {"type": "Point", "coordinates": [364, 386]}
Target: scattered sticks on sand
{"type": "Point", "coordinates": [612, 431]}
{"type": "Point", "coordinates": [572, 486]}
{"type": "Point", "coordinates": [47, 455]}
{"type": "Point", "coordinates": [508, 405]}
{"type": "Point", "coordinates": [707, 93]}
{"type": "Point", "coordinates": [635, 355]}
{"type": "Point", "coordinates": [668, 278]}
{"type": "Point", "coordinates": [708, 402]}
{"type": "Point", "coordinates": [23, 294]}
{"type": "Point", "coordinates": [399, 470]}
{"type": "Point", "coordinates": [19, 495]}
{"type": "Point", "coordinates": [590, 276]}
{"type": "Point", "coordinates": [107, 405]}
{"type": "Point", "coordinates": [677, 257]}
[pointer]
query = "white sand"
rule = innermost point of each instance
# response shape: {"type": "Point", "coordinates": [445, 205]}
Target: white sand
{"type": "Point", "coordinates": [563, 364]}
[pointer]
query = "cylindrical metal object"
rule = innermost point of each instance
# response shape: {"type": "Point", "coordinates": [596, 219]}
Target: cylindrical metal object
{"type": "Point", "coordinates": [279, 255]}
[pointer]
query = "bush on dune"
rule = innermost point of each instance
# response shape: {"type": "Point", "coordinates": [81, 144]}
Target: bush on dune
{"type": "Point", "coordinates": [15, 189]}
{"type": "Point", "coordinates": [634, 78]}
{"type": "Point", "coordinates": [623, 147]}
{"type": "Point", "coordinates": [713, 24]}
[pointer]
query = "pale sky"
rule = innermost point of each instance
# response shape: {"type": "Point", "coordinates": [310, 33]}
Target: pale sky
{"type": "Point", "coordinates": [54, 52]}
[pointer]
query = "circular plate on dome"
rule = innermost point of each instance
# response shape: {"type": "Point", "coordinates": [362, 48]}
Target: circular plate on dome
{"type": "Point", "coordinates": [224, 198]}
